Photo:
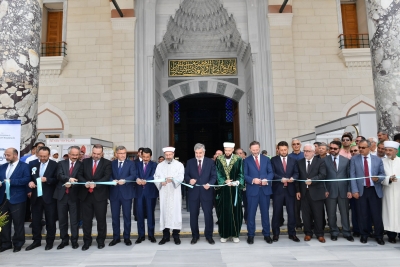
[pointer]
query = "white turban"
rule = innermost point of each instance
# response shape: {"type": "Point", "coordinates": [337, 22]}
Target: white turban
{"type": "Point", "coordinates": [392, 144]}
{"type": "Point", "coordinates": [229, 145]}
{"type": "Point", "coordinates": [168, 149]}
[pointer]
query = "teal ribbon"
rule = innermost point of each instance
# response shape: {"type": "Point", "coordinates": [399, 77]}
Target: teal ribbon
{"type": "Point", "coordinates": [341, 179]}
{"type": "Point", "coordinates": [236, 195]}
{"type": "Point", "coordinates": [113, 183]}
{"type": "Point", "coordinates": [39, 186]}
{"type": "Point", "coordinates": [7, 182]}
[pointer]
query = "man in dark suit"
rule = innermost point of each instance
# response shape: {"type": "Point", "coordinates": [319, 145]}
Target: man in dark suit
{"type": "Point", "coordinates": [44, 174]}
{"type": "Point", "coordinates": [368, 192]}
{"type": "Point", "coordinates": [285, 170]}
{"type": "Point", "coordinates": [16, 174]}
{"type": "Point", "coordinates": [137, 160]}
{"type": "Point", "coordinates": [67, 197]}
{"type": "Point", "coordinates": [145, 196]}
{"type": "Point", "coordinates": [312, 193]}
{"type": "Point", "coordinates": [337, 167]}
{"type": "Point", "coordinates": [258, 175]}
{"type": "Point", "coordinates": [201, 171]}
{"type": "Point", "coordinates": [121, 195]}
{"type": "Point", "coordinates": [94, 197]}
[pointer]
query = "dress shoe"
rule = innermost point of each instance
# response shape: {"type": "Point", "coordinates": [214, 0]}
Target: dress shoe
{"type": "Point", "coordinates": [250, 240]}
{"type": "Point", "coordinates": [210, 241]}
{"type": "Point", "coordinates": [100, 246]}
{"type": "Point", "coordinates": [307, 238]}
{"type": "Point", "coordinates": [275, 238]}
{"type": "Point", "coordinates": [177, 241]}
{"type": "Point", "coordinates": [268, 239]}
{"type": "Point", "coordinates": [152, 239]}
{"type": "Point", "coordinates": [363, 239]}
{"type": "Point", "coordinates": [48, 246]}
{"type": "Point", "coordinates": [380, 241]}
{"type": "Point", "coordinates": [33, 246]}
{"type": "Point", "coordinates": [235, 239]}
{"type": "Point", "coordinates": [140, 240]}
{"type": "Point", "coordinates": [294, 238]}
{"type": "Point", "coordinates": [16, 250]}
{"type": "Point", "coordinates": [128, 242]}
{"type": "Point", "coordinates": [322, 239]}
{"type": "Point", "coordinates": [350, 238]}
{"type": "Point", "coordinates": [163, 241]}
{"type": "Point", "coordinates": [4, 249]}
{"type": "Point", "coordinates": [334, 238]}
{"type": "Point", "coordinates": [392, 240]}
{"type": "Point", "coordinates": [223, 240]}
{"type": "Point", "coordinates": [62, 245]}
{"type": "Point", "coordinates": [194, 240]}
{"type": "Point", "coordinates": [75, 245]}
{"type": "Point", "coordinates": [356, 234]}
{"type": "Point", "coordinates": [114, 242]}
{"type": "Point", "coordinates": [85, 247]}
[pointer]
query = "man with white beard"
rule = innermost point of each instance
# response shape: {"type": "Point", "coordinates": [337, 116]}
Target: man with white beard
{"type": "Point", "coordinates": [172, 173]}
{"type": "Point", "coordinates": [391, 191]}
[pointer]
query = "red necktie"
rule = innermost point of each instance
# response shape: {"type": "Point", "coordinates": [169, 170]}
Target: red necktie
{"type": "Point", "coordinates": [366, 173]}
{"type": "Point", "coordinates": [71, 169]}
{"type": "Point", "coordinates": [334, 163]}
{"type": "Point", "coordinates": [284, 169]}
{"type": "Point", "coordinates": [93, 172]}
{"type": "Point", "coordinates": [199, 167]}
{"type": "Point", "coordinates": [257, 163]}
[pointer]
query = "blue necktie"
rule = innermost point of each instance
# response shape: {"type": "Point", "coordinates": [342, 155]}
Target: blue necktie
{"type": "Point", "coordinates": [119, 168]}
{"type": "Point", "coordinates": [42, 169]}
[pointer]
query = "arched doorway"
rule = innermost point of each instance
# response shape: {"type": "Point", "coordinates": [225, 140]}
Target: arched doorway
{"type": "Point", "coordinates": [209, 119]}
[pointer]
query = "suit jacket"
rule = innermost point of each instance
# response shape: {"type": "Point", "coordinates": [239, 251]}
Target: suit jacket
{"type": "Point", "coordinates": [49, 186]}
{"type": "Point", "coordinates": [279, 173]}
{"type": "Point", "coordinates": [337, 189]}
{"type": "Point", "coordinates": [357, 170]}
{"type": "Point", "coordinates": [63, 177]}
{"type": "Point", "coordinates": [18, 182]}
{"type": "Point", "coordinates": [149, 190]}
{"type": "Point", "coordinates": [102, 174]}
{"type": "Point", "coordinates": [208, 175]}
{"type": "Point", "coordinates": [251, 172]}
{"type": "Point", "coordinates": [317, 172]}
{"type": "Point", "coordinates": [128, 173]}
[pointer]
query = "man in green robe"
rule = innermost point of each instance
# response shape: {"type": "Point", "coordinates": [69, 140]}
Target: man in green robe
{"type": "Point", "coordinates": [229, 197]}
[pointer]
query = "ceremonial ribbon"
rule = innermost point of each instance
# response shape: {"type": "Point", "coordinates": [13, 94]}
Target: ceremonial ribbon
{"type": "Point", "coordinates": [217, 185]}
{"type": "Point", "coordinates": [39, 186]}
{"type": "Point", "coordinates": [340, 179]}
{"type": "Point", "coordinates": [114, 183]}
{"type": "Point", "coordinates": [7, 188]}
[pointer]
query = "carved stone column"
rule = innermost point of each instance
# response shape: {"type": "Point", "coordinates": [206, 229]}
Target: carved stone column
{"type": "Point", "coordinates": [20, 29]}
{"type": "Point", "coordinates": [384, 18]}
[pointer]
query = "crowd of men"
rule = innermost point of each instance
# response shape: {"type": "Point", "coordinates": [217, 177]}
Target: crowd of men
{"type": "Point", "coordinates": [312, 184]}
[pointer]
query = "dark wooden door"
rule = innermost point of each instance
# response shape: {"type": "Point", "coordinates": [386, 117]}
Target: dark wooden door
{"type": "Point", "coordinates": [54, 34]}
{"type": "Point", "coordinates": [350, 25]}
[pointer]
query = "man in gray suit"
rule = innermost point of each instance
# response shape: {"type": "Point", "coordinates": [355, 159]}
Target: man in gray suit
{"type": "Point", "coordinates": [339, 192]}
{"type": "Point", "coordinates": [368, 191]}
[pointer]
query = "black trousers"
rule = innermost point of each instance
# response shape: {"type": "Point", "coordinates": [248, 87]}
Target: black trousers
{"type": "Point", "coordinates": [297, 212]}
{"type": "Point", "coordinates": [370, 202]}
{"type": "Point", "coordinates": [277, 213]}
{"type": "Point", "coordinates": [16, 216]}
{"type": "Point", "coordinates": [67, 206]}
{"type": "Point", "coordinates": [312, 211]}
{"type": "Point", "coordinates": [50, 214]}
{"type": "Point", "coordinates": [167, 234]}
{"type": "Point", "coordinates": [207, 206]}
{"type": "Point", "coordinates": [90, 206]}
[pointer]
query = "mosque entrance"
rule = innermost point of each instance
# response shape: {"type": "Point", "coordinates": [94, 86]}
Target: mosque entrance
{"type": "Point", "coordinates": [202, 118]}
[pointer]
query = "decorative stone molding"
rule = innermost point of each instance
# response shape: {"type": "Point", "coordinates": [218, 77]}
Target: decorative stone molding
{"type": "Point", "coordinates": [280, 19]}
{"type": "Point", "coordinates": [50, 69]}
{"type": "Point", "coordinates": [126, 24]}
{"type": "Point", "coordinates": [356, 57]}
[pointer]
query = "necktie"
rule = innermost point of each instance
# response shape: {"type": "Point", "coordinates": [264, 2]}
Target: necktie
{"type": "Point", "coordinates": [144, 168]}
{"type": "Point", "coordinates": [257, 163]}
{"type": "Point", "coordinates": [119, 167]}
{"type": "Point", "coordinates": [42, 169]}
{"type": "Point", "coordinates": [9, 171]}
{"type": "Point", "coordinates": [93, 172]}
{"type": "Point", "coordinates": [334, 163]}
{"type": "Point", "coordinates": [199, 167]}
{"type": "Point", "coordinates": [366, 173]}
{"type": "Point", "coordinates": [308, 166]}
{"type": "Point", "coordinates": [284, 169]}
{"type": "Point", "coordinates": [71, 169]}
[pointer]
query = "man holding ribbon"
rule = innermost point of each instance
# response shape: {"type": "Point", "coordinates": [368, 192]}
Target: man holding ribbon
{"type": "Point", "coordinates": [367, 190]}
{"type": "Point", "coordinates": [95, 169]}
{"type": "Point", "coordinates": [67, 197]}
{"type": "Point", "coordinates": [200, 172]}
{"type": "Point", "coordinates": [391, 191]}
{"type": "Point", "coordinates": [14, 177]}
{"type": "Point", "coordinates": [228, 201]}
{"type": "Point", "coordinates": [121, 195]}
{"type": "Point", "coordinates": [42, 186]}
{"type": "Point", "coordinates": [171, 172]}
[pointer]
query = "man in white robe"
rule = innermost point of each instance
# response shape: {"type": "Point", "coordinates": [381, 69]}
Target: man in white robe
{"type": "Point", "coordinates": [391, 191]}
{"type": "Point", "coordinates": [172, 171]}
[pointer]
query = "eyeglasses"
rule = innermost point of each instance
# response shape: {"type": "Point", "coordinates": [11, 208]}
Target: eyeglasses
{"type": "Point", "coordinates": [295, 144]}
{"type": "Point", "coordinates": [362, 147]}
{"type": "Point", "coordinates": [334, 148]}
{"type": "Point", "coordinates": [353, 151]}
{"type": "Point", "coordinates": [345, 140]}
{"type": "Point", "coordinates": [307, 151]}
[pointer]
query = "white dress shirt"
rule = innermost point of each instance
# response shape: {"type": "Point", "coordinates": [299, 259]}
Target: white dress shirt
{"type": "Point", "coordinates": [11, 168]}
{"type": "Point", "coordinates": [369, 168]}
